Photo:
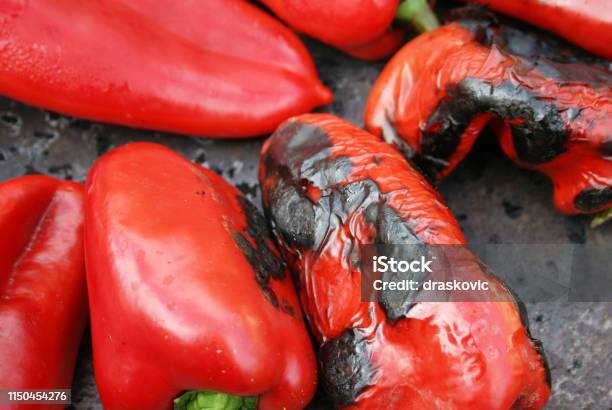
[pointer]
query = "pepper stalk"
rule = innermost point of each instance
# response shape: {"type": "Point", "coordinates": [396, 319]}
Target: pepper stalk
{"type": "Point", "coordinates": [211, 400]}
{"type": "Point", "coordinates": [418, 14]}
{"type": "Point", "coordinates": [601, 218]}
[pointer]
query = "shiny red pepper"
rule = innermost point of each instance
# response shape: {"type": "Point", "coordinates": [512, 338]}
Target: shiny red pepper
{"type": "Point", "coordinates": [587, 23]}
{"type": "Point", "coordinates": [187, 290]}
{"type": "Point", "coordinates": [361, 28]}
{"type": "Point", "coordinates": [550, 106]}
{"type": "Point", "coordinates": [220, 68]}
{"type": "Point", "coordinates": [43, 296]}
{"type": "Point", "coordinates": [330, 188]}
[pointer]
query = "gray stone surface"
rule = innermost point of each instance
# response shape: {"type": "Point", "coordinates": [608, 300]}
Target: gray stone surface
{"type": "Point", "coordinates": [494, 201]}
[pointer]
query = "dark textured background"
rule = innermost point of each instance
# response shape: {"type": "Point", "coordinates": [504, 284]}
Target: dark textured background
{"type": "Point", "coordinates": [494, 201]}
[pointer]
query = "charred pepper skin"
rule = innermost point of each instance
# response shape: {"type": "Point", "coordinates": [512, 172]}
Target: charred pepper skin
{"type": "Point", "coordinates": [219, 68]}
{"type": "Point", "coordinates": [43, 303]}
{"type": "Point", "coordinates": [187, 289]}
{"type": "Point", "coordinates": [550, 105]}
{"type": "Point", "coordinates": [329, 187]}
{"type": "Point", "coordinates": [587, 23]}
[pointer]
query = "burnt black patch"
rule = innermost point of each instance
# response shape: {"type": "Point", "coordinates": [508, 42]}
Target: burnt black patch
{"type": "Point", "coordinates": [441, 136]}
{"type": "Point", "coordinates": [606, 148]}
{"type": "Point", "coordinates": [264, 261]}
{"type": "Point", "coordinates": [288, 308]}
{"type": "Point", "coordinates": [345, 367]}
{"type": "Point", "coordinates": [392, 229]}
{"type": "Point", "coordinates": [593, 198]}
{"type": "Point", "coordinates": [258, 230]}
{"type": "Point", "coordinates": [292, 213]}
{"type": "Point", "coordinates": [397, 305]}
{"type": "Point", "coordinates": [522, 39]}
{"type": "Point", "coordinates": [287, 204]}
{"type": "Point", "coordinates": [270, 296]}
{"type": "Point", "coordinates": [538, 129]}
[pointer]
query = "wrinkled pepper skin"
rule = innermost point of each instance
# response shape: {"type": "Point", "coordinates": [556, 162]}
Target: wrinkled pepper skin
{"type": "Point", "coordinates": [187, 289]}
{"type": "Point", "coordinates": [328, 188]}
{"type": "Point", "coordinates": [360, 28]}
{"type": "Point", "coordinates": [550, 106]}
{"type": "Point", "coordinates": [218, 68]}
{"type": "Point", "coordinates": [587, 23]}
{"type": "Point", "coordinates": [43, 295]}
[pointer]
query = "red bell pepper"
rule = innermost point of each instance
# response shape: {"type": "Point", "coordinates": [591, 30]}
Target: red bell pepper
{"type": "Point", "coordinates": [361, 28]}
{"type": "Point", "coordinates": [587, 23]}
{"type": "Point", "coordinates": [329, 188]}
{"type": "Point", "coordinates": [220, 68]}
{"type": "Point", "coordinates": [187, 291]}
{"type": "Point", "coordinates": [43, 296]}
{"type": "Point", "coordinates": [550, 106]}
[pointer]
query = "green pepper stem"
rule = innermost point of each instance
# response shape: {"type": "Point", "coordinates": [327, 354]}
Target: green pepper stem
{"type": "Point", "coordinates": [418, 14]}
{"type": "Point", "coordinates": [601, 218]}
{"type": "Point", "coordinates": [211, 400]}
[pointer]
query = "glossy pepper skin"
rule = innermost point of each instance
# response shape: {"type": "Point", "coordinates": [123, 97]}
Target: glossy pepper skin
{"type": "Point", "coordinates": [43, 295]}
{"type": "Point", "coordinates": [587, 23]}
{"type": "Point", "coordinates": [550, 105]}
{"type": "Point", "coordinates": [218, 68]}
{"type": "Point", "coordinates": [329, 188]}
{"type": "Point", "coordinates": [360, 28]}
{"type": "Point", "coordinates": [187, 289]}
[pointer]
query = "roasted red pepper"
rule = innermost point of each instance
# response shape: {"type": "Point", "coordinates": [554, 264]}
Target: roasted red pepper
{"type": "Point", "coordinates": [330, 188]}
{"type": "Point", "coordinates": [187, 290]}
{"type": "Point", "coordinates": [43, 296]}
{"type": "Point", "coordinates": [220, 68]}
{"type": "Point", "coordinates": [550, 105]}
{"type": "Point", "coordinates": [587, 23]}
{"type": "Point", "coordinates": [361, 28]}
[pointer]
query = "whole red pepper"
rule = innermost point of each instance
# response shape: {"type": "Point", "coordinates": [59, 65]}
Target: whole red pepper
{"type": "Point", "coordinates": [361, 28]}
{"type": "Point", "coordinates": [220, 68]}
{"type": "Point", "coordinates": [330, 188]}
{"type": "Point", "coordinates": [550, 106]}
{"type": "Point", "coordinates": [43, 296]}
{"type": "Point", "coordinates": [187, 290]}
{"type": "Point", "coordinates": [587, 23]}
